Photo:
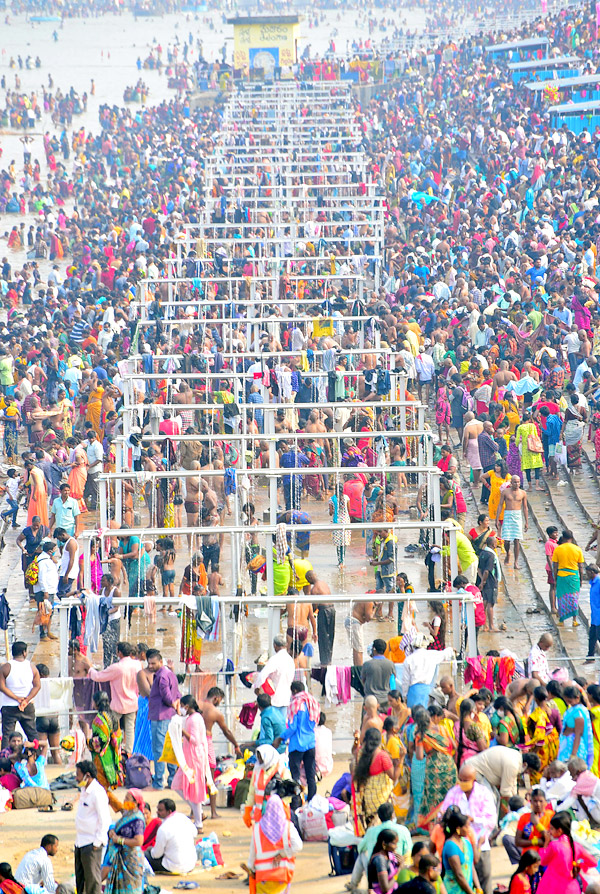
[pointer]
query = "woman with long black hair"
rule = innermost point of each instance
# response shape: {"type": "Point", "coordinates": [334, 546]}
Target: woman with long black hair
{"type": "Point", "coordinates": [470, 735]}
{"type": "Point", "coordinates": [8, 883]}
{"type": "Point", "coordinates": [564, 860]}
{"type": "Point", "coordinates": [372, 781]}
{"type": "Point", "coordinates": [520, 880]}
{"type": "Point", "coordinates": [509, 731]}
{"type": "Point", "coordinates": [384, 864]}
{"type": "Point", "coordinates": [458, 858]}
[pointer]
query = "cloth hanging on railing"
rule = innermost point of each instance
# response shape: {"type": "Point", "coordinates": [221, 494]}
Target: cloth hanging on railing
{"type": "Point", "coordinates": [338, 685]}
{"type": "Point", "coordinates": [84, 690]}
{"type": "Point", "coordinates": [91, 635]}
{"type": "Point", "coordinates": [341, 688]}
{"type": "Point", "coordinates": [493, 673]}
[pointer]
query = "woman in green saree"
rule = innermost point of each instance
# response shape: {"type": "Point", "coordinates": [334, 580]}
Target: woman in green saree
{"type": "Point", "coordinates": [105, 747]}
{"type": "Point", "coordinates": [432, 743]}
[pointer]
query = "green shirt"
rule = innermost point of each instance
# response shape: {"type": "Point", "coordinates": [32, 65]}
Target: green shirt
{"type": "Point", "coordinates": [368, 842]}
{"type": "Point", "coordinates": [6, 371]}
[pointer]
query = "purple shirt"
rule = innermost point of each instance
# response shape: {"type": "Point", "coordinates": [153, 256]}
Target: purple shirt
{"type": "Point", "coordinates": [162, 695]}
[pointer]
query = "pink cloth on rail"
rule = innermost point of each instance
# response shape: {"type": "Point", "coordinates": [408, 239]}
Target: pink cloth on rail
{"type": "Point", "coordinates": [343, 684]}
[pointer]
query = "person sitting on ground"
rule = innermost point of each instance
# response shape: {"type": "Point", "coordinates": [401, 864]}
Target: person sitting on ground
{"type": "Point", "coordinates": [152, 826]}
{"type": "Point", "coordinates": [35, 870]}
{"type": "Point", "coordinates": [175, 848]}
{"type": "Point", "coordinates": [8, 779]}
{"type": "Point", "coordinates": [584, 798]}
{"type": "Point", "coordinates": [8, 883]}
{"type": "Point", "coordinates": [384, 864]}
{"type": "Point", "coordinates": [32, 769]}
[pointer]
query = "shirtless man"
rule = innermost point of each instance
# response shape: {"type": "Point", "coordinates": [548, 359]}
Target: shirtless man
{"type": "Point", "coordinates": [362, 613]}
{"type": "Point", "coordinates": [471, 431]}
{"type": "Point", "coordinates": [281, 423]}
{"type": "Point", "coordinates": [368, 360]}
{"type": "Point", "coordinates": [79, 666]}
{"type": "Point", "coordinates": [371, 717]}
{"type": "Point", "coordinates": [448, 688]}
{"type": "Point", "coordinates": [325, 617]}
{"type": "Point", "coordinates": [191, 502]}
{"type": "Point", "coordinates": [215, 582]}
{"type": "Point", "coordinates": [300, 615]}
{"type": "Point", "coordinates": [502, 378]}
{"type": "Point", "coordinates": [514, 501]}
{"type": "Point", "coordinates": [211, 715]}
{"type": "Point", "coordinates": [316, 425]}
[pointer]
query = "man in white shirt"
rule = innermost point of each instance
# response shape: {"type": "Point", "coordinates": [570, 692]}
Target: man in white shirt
{"type": "Point", "coordinates": [539, 669]}
{"type": "Point", "coordinates": [298, 338]}
{"type": "Point", "coordinates": [92, 820]}
{"type": "Point", "coordinates": [425, 368]}
{"type": "Point", "coordinates": [35, 871]}
{"type": "Point", "coordinates": [175, 848]}
{"type": "Point", "coordinates": [105, 337]}
{"type": "Point", "coordinates": [419, 670]}
{"type": "Point", "coordinates": [277, 676]}
{"type": "Point", "coordinates": [46, 588]}
{"type": "Point", "coordinates": [95, 456]}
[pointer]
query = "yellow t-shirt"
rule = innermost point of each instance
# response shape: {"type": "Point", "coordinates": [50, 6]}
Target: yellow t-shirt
{"type": "Point", "coordinates": [301, 567]}
{"type": "Point", "coordinates": [568, 556]}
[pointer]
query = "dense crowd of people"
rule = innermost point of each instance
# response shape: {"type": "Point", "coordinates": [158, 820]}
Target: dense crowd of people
{"type": "Point", "coordinates": [485, 302]}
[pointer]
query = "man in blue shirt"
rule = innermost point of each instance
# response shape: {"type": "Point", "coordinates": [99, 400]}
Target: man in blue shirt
{"type": "Point", "coordinates": [272, 724]}
{"type": "Point", "coordinates": [594, 634]}
{"type": "Point", "coordinates": [537, 274]}
{"type": "Point", "coordinates": [302, 719]}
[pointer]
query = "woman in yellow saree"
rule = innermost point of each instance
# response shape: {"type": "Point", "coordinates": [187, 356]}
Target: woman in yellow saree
{"type": "Point", "coordinates": [593, 694]}
{"type": "Point", "coordinates": [542, 733]}
{"type": "Point", "coordinates": [93, 412]}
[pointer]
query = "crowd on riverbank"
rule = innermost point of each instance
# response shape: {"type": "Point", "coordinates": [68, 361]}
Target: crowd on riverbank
{"type": "Point", "coordinates": [488, 304]}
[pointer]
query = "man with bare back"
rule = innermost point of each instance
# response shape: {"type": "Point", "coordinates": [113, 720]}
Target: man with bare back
{"type": "Point", "coordinates": [371, 716]}
{"type": "Point", "coordinates": [192, 498]}
{"type": "Point", "coordinates": [300, 615]}
{"type": "Point", "coordinates": [209, 708]}
{"type": "Point", "coordinates": [514, 501]}
{"type": "Point", "coordinates": [502, 378]}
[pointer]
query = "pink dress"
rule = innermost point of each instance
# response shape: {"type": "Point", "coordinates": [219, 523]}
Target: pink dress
{"type": "Point", "coordinates": [195, 750]}
{"type": "Point", "coordinates": [557, 857]}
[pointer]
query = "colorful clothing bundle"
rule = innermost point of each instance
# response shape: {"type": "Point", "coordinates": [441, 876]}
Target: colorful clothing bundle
{"type": "Point", "coordinates": [197, 624]}
{"type": "Point", "coordinates": [493, 673]}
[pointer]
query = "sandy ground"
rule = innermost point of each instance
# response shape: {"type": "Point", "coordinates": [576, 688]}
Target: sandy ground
{"type": "Point", "coordinates": [20, 830]}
